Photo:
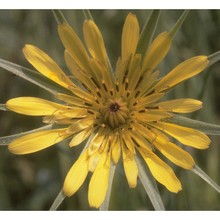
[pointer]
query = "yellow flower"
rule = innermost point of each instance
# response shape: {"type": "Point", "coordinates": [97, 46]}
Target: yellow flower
{"type": "Point", "coordinates": [120, 114]}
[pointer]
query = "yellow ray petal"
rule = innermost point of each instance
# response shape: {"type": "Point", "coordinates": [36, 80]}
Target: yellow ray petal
{"type": "Point", "coordinates": [149, 115]}
{"type": "Point", "coordinates": [187, 136]}
{"type": "Point", "coordinates": [162, 172]}
{"type": "Point", "coordinates": [33, 106]}
{"type": "Point", "coordinates": [76, 175]}
{"type": "Point", "coordinates": [147, 100]}
{"type": "Point", "coordinates": [80, 125]}
{"type": "Point", "coordinates": [80, 137]}
{"type": "Point", "coordinates": [157, 51]}
{"type": "Point", "coordinates": [46, 65]}
{"type": "Point", "coordinates": [180, 105]}
{"type": "Point", "coordinates": [130, 36]}
{"type": "Point", "coordinates": [183, 71]}
{"type": "Point", "coordinates": [99, 182]}
{"type": "Point", "coordinates": [94, 160]}
{"type": "Point", "coordinates": [130, 167]}
{"type": "Point", "coordinates": [96, 141]}
{"type": "Point", "coordinates": [37, 141]}
{"type": "Point", "coordinates": [79, 74]}
{"type": "Point", "coordinates": [95, 42]}
{"type": "Point", "coordinates": [74, 46]}
{"type": "Point", "coordinates": [116, 149]}
{"type": "Point", "coordinates": [176, 154]}
{"type": "Point", "coordinates": [70, 99]}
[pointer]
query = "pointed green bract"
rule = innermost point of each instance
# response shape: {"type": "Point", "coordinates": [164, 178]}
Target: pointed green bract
{"type": "Point", "coordinates": [150, 186]}
{"type": "Point", "coordinates": [178, 24]}
{"type": "Point", "coordinates": [87, 15]}
{"type": "Point", "coordinates": [148, 32]}
{"type": "Point", "coordinates": [33, 77]}
{"type": "Point", "coordinates": [3, 107]}
{"type": "Point", "coordinates": [105, 204]}
{"type": "Point", "coordinates": [59, 17]}
{"type": "Point", "coordinates": [59, 199]}
{"type": "Point", "coordinates": [198, 171]}
{"type": "Point", "coordinates": [207, 128]}
{"type": "Point", "coordinates": [213, 58]}
{"type": "Point", "coordinates": [6, 140]}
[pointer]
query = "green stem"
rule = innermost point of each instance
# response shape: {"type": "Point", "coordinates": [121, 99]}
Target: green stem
{"type": "Point", "coordinates": [59, 16]}
{"type": "Point", "coordinates": [88, 15]}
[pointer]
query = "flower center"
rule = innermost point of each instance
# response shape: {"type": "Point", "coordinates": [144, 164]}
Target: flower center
{"type": "Point", "coordinates": [115, 113]}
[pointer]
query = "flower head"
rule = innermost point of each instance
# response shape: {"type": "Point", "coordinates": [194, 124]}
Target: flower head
{"type": "Point", "coordinates": [119, 113]}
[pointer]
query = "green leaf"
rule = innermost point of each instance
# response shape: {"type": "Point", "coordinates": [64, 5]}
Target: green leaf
{"type": "Point", "coordinates": [207, 128]}
{"type": "Point", "coordinates": [148, 32]}
{"type": "Point", "coordinates": [33, 77]}
{"type": "Point", "coordinates": [59, 199]}
{"type": "Point", "coordinates": [150, 185]}
{"type": "Point", "coordinates": [59, 17]}
{"type": "Point", "coordinates": [213, 58]}
{"type": "Point", "coordinates": [3, 107]}
{"type": "Point", "coordinates": [205, 177]}
{"type": "Point", "coordinates": [105, 204]}
{"type": "Point", "coordinates": [87, 15]}
{"type": "Point", "coordinates": [6, 140]}
{"type": "Point", "coordinates": [179, 23]}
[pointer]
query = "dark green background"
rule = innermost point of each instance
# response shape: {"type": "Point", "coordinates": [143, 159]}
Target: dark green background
{"type": "Point", "coordinates": [31, 182]}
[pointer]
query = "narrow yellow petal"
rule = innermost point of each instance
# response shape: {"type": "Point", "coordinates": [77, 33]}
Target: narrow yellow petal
{"type": "Point", "coordinates": [130, 167]}
{"type": "Point", "coordinates": [183, 71]}
{"type": "Point", "coordinates": [130, 36]}
{"type": "Point", "coordinates": [33, 106]}
{"type": "Point", "coordinates": [99, 182]}
{"type": "Point", "coordinates": [94, 160]}
{"type": "Point", "coordinates": [46, 65]}
{"type": "Point", "coordinates": [79, 74]}
{"type": "Point", "coordinates": [96, 141]}
{"type": "Point", "coordinates": [116, 149]}
{"type": "Point", "coordinates": [95, 42]}
{"type": "Point", "coordinates": [157, 51]}
{"type": "Point", "coordinates": [176, 154]}
{"type": "Point", "coordinates": [149, 115]}
{"type": "Point", "coordinates": [80, 125]}
{"type": "Point", "coordinates": [37, 141]}
{"type": "Point", "coordinates": [74, 46]}
{"type": "Point", "coordinates": [180, 105]}
{"type": "Point", "coordinates": [162, 172]}
{"type": "Point", "coordinates": [185, 135]}
{"type": "Point", "coordinates": [70, 99]}
{"type": "Point", "coordinates": [76, 175]}
{"type": "Point", "coordinates": [80, 137]}
{"type": "Point", "coordinates": [147, 100]}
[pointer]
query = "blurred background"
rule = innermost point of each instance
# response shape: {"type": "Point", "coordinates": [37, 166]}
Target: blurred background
{"type": "Point", "coordinates": [31, 182]}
